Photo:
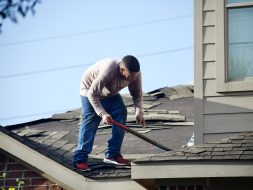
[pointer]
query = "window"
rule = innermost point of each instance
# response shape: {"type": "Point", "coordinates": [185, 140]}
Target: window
{"type": "Point", "coordinates": [240, 42]}
{"type": "Point", "coordinates": [234, 24]}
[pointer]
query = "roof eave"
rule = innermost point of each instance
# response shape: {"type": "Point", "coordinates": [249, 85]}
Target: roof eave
{"type": "Point", "coordinates": [192, 169]}
{"type": "Point", "coordinates": [54, 171]}
{"type": "Point", "coordinates": [47, 167]}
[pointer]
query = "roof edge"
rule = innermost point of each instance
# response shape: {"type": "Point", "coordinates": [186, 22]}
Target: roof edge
{"type": "Point", "coordinates": [192, 169]}
{"type": "Point", "coordinates": [28, 123]}
{"type": "Point", "coordinates": [63, 176]}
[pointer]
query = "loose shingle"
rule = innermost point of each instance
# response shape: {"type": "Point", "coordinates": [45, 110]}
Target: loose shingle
{"type": "Point", "coordinates": [194, 150]}
{"type": "Point", "coordinates": [157, 94]}
{"type": "Point", "coordinates": [168, 91]}
{"type": "Point", "coordinates": [158, 117]}
{"type": "Point", "coordinates": [30, 132]}
{"type": "Point", "coordinates": [181, 92]}
{"type": "Point", "coordinates": [151, 105]}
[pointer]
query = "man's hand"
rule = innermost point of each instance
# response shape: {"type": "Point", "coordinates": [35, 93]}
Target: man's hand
{"type": "Point", "coordinates": [107, 119]}
{"type": "Point", "coordinates": [140, 120]}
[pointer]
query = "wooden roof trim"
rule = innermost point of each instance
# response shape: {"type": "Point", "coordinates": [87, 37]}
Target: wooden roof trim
{"type": "Point", "coordinates": [49, 168]}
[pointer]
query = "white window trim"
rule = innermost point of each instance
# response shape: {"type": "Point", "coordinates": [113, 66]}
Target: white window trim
{"type": "Point", "coordinates": [221, 49]}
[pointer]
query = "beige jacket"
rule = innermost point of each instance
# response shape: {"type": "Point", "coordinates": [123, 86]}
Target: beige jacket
{"type": "Point", "coordinates": [103, 80]}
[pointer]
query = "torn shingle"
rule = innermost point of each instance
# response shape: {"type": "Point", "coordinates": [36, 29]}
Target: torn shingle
{"type": "Point", "coordinates": [181, 92]}
{"type": "Point", "coordinates": [157, 94]}
{"type": "Point", "coordinates": [194, 150]}
{"type": "Point", "coordinates": [151, 105]}
{"type": "Point", "coordinates": [30, 132]}
{"type": "Point", "coordinates": [158, 117]}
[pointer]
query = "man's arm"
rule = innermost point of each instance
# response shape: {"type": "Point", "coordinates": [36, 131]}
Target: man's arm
{"type": "Point", "coordinates": [93, 95]}
{"type": "Point", "coordinates": [135, 89]}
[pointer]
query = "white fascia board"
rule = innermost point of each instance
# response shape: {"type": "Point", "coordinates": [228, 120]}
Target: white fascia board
{"type": "Point", "coordinates": [48, 168]}
{"type": "Point", "coordinates": [191, 169]}
{"type": "Point", "coordinates": [109, 184]}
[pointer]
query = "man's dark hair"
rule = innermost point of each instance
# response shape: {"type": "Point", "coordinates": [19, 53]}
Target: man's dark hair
{"type": "Point", "coordinates": [131, 63]}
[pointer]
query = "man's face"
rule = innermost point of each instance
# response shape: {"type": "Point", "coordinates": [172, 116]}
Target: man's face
{"type": "Point", "coordinates": [127, 75]}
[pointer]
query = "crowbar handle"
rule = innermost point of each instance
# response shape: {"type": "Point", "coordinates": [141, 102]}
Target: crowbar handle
{"type": "Point", "coordinates": [140, 136]}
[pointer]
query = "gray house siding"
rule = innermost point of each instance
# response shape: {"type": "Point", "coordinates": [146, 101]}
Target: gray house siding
{"type": "Point", "coordinates": [217, 115]}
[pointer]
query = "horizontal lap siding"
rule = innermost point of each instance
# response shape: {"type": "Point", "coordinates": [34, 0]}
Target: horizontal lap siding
{"type": "Point", "coordinates": [209, 52]}
{"type": "Point", "coordinates": [226, 123]}
{"type": "Point", "coordinates": [210, 88]}
{"type": "Point", "coordinates": [209, 38]}
{"type": "Point", "coordinates": [228, 104]}
{"type": "Point", "coordinates": [208, 5]}
{"type": "Point", "coordinates": [209, 70]}
{"type": "Point", "coordinates": [209, 18]}
{"type": "Point", "coordinates": [223, 114]}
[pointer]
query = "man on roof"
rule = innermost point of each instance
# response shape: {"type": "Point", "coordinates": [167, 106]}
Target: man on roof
{"type": "Point", "coordinates": [99, 90]}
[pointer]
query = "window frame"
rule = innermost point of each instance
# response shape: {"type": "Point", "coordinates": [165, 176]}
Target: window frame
{"type": "Point", "coordinates": [222, 49]}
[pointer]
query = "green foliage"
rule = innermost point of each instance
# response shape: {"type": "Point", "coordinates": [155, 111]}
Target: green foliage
{"type": "Point", "coordinates": [12, 8]}
{"type": "Point", "coordinates": [3, 175]}
{"type": "Point", "coordinates": [19, 182]}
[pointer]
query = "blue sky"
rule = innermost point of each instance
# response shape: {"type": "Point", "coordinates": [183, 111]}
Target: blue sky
{"type": "Point", "coordinates": [44, 56]}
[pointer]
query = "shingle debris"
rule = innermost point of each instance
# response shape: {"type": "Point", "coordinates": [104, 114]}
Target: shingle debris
{"type": "Point", "coordinates": [176, 92]}
{"type": "Point", "coordinates": [155, 118]}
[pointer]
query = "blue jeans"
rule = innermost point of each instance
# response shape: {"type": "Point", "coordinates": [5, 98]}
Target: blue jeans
{"type": "Point", "coordinates": [115, 107]}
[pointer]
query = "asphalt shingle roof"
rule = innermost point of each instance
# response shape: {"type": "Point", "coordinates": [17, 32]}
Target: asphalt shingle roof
{"type": "Point", "coordinates": [235, 148]}
{"type": "Point", "coordinates": [56, 137]}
